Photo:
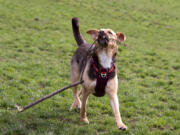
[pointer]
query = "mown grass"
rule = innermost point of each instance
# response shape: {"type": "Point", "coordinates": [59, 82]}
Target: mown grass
{"type": "Point", "coordinates": [36, 45]}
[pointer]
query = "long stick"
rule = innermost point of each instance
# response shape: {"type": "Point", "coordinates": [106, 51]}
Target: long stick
{"type": "Point", "coordinates": [21, 109]}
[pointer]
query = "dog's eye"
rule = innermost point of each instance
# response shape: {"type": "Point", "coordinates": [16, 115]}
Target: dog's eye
{"type": "Point", "coordinates": [110, 32]}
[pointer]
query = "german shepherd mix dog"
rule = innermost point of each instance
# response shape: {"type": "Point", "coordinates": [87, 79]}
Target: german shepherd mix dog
{"type": "Point", "coordinates": [99, 75]}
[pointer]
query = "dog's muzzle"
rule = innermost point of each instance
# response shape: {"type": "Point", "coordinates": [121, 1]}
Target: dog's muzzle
{"type": "Point", "coordinates": [103, 39]}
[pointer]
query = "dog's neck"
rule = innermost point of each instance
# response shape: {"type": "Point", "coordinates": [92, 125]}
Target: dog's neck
{"type": "Point", "coordinates": [104, 60]}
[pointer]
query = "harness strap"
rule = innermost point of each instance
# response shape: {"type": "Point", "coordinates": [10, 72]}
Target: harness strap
{"type": "Point", "coordinates": [103, 70]}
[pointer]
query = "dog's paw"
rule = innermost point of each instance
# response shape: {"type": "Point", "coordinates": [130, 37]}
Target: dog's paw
{"type": "Point", "coordinates": [76, 104]}
{"type": "Point", "coordinates": [122, 127]}
{"type": "Point", "coordinates": [85, 120]}
{"type": "Point", "coordinates": [77, 108]}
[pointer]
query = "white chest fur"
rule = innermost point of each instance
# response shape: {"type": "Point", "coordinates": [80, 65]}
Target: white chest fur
{"type": "Point", "coordinates": [105, 61]}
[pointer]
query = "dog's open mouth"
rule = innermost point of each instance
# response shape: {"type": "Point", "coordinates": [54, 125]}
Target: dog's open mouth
{"type": "Point", "coordinates": [103, 39]}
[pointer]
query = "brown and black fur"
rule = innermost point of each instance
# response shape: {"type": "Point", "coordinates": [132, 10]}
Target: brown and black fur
{"type": "Point", "coordinates": [82, 50]}
{"type": "Point", "coordinates": [103, 48]}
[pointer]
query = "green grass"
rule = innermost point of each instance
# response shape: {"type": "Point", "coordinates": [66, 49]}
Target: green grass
{"type": "Point", "coordinates": [36, 45]}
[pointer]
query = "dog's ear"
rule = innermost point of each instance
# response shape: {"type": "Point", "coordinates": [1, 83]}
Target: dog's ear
{"type": "Point", "coordinates": [120, 37]}
{"type": "Point", "coordinates": [93, 33]}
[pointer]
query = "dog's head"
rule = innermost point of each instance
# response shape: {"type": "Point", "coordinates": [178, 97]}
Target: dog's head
{"type": "Point", "coordinates": [106, 45]}
{"type": "Point", "coordinates": [107, 37]}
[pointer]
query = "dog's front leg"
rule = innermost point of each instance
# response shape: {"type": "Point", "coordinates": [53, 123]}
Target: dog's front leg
{"type": "Point", "coordinates": [115, 106]}
{"type": "Point", "coordinates": [83, 116]}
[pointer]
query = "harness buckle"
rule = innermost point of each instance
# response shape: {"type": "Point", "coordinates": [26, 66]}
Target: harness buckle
{"type": "Point", "coordinates": [103, 74]}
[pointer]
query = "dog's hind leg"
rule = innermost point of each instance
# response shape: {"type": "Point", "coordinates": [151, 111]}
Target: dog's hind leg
{"type": "Point", "coordinates": [77, 102]}
{"type": "Point", "coordinates": [75, 77]}
{"type": "Point", "coordinates": [80, 93]}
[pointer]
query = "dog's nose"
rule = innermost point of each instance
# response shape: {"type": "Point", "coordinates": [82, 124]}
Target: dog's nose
{"type": "Point", "coordinates": [101, 32]}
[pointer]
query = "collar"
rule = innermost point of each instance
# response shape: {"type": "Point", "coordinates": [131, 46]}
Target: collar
{"type": "Point", "coordinates": [102, 72]}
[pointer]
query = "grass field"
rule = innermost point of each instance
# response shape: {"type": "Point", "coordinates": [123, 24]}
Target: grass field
{"type": "Point", "coordinates": [36, 45]}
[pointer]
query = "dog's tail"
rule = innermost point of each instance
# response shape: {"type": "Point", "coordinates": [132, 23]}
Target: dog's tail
{"type": "Point", "coordinates": [76, 31]}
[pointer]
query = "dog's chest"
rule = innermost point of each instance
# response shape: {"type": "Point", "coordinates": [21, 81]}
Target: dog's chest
{"type": "Point", "coordinates": [105, 60]}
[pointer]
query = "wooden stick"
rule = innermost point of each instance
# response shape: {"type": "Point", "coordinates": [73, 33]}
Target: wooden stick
{"type": "Point", "coordinates": [89, 53]}
{"type": "Point", "coordinates": [21, 109]}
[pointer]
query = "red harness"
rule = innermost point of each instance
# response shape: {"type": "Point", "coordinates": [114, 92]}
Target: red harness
{"type": "Point", "coordinates": [102, 77]}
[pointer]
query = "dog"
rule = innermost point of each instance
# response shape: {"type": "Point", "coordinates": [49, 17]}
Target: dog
{"type": "Point", "coordinates": [99, 75]}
